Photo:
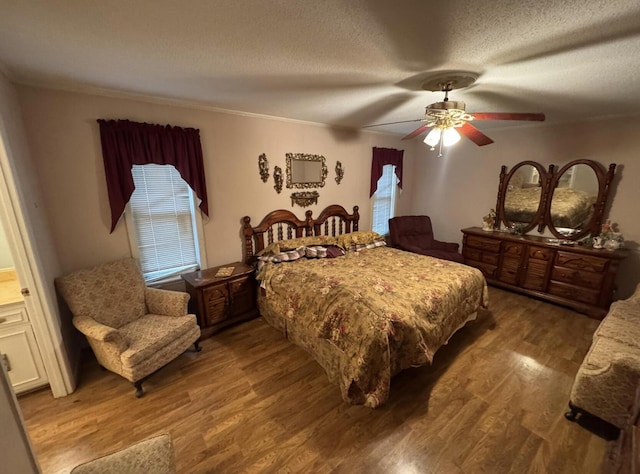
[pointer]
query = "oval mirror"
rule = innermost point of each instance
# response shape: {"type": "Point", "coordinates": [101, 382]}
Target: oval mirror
{"type": "Point", "coordinates": [573, 198]}
{"type": "Point", "coordinates": [521, 207]}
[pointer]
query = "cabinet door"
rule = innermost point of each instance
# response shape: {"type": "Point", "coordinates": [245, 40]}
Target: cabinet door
{"type": "Point", "coordinates": [512, 255]}
{"type": "Point", "coordinates": [242, 296]}
{"type": "Point", "coordinates": [22, 358]}
{"type": "Point", "coordinates": [537, 269]}
{"type": "Point", "coordinates": [216, 300]}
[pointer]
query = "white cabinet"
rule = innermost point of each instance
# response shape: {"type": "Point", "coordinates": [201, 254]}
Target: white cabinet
{"type": "Point", "coordinates": [19, 350]}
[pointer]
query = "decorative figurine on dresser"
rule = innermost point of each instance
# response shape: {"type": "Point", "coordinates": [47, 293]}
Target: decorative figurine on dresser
{"type": "Point", "coordinates": [565, 269]}
{"type": "Point", "coordinates": [221, 296]}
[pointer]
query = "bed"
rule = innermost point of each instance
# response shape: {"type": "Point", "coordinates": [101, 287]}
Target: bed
{"type": "Point", "coordinates": [365, 312]}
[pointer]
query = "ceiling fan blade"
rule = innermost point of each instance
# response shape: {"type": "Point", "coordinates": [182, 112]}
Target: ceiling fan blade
{"type": "Point", "coordinates": [508, 116]}
{"type": "Point", "coordinates": [416, 132]}
{"type": "Point", "coordinates": [393, 123]}
{"type": "Point", "coordinates": [473, 134]}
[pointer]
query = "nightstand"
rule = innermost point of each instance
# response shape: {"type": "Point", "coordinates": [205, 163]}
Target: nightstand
{"type": "Point", "coordinates": [220, 298]}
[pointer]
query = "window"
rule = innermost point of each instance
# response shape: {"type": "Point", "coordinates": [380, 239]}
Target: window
{"type": "Point", "coordinates": [384, 200]}
{"type": "Point", "coordinates": [163, 223]}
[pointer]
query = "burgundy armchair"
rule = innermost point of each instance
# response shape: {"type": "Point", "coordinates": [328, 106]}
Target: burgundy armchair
{"type": "Point", "coordinates": [414, 234]}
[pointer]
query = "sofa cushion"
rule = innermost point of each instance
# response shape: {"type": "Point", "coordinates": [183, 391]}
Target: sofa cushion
{"type": "Point", "coordinates": [620, 330]}
{"type": "Point", "coordinates": [151, 333]}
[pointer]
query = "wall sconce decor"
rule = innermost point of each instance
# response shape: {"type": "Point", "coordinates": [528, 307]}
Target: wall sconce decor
{"type": "Point", "coordinates": [277, 179]}
{"type": "Point", "coordinates": [339, 172]}
{"type": "Point", "coordinates": [263, 166]}
{"type": "Point", "coordinates": [304, 198]}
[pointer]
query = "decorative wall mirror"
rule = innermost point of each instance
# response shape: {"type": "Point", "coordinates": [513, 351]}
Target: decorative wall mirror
{"type": "Point", "coordinates": [569, 201]}
{"type": "Point", "coordinates": [305, 171]}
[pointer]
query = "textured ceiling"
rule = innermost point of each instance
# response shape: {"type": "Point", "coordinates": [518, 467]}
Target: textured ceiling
{"type": "Point", "coordinates": [342, 62]}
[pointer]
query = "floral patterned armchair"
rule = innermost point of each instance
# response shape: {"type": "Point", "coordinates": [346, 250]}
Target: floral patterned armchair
{"type": "Point", "coordinates": [414, 234]}
{"type": "Point", "coordinates": [133, 330]}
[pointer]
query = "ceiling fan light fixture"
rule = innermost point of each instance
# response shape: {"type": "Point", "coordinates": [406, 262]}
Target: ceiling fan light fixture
{"type": "Point", "coordinates": [450, 136]}
{"type": "Point", "coordinates": [433, 137]}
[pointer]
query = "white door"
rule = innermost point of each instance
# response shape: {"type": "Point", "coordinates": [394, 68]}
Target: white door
{"type": "Point", "coordinates": [40, 338]}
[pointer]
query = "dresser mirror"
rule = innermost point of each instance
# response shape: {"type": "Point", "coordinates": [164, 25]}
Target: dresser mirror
{"type": "Point", "coordinates": [569, 201]}
{"type": "Point", "coordinates": [305, 171]}
{"type": "Point", "coordinates": [522, 204]}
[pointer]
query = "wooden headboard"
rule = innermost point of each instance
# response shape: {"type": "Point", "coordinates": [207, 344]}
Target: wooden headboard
{"type": "Point", "coordinates": [283, 224]}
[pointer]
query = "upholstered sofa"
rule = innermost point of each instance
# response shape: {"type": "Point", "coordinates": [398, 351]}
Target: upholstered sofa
{"type": "Point", "coordinates": [606, 384]}
{"type": "Point", "coordinates": [415, 234]}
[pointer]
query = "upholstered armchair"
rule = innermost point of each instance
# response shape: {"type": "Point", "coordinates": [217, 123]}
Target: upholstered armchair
{"type": "Point", "coordinates": [133, 330]}
{"type": "Point", "coordinates": [414, 234]}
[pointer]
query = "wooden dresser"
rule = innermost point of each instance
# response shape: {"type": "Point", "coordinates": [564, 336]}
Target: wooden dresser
{"type": "Point", "coordinates": [220, 300]}
{"type": "Point", "coordinates": [571, 275]}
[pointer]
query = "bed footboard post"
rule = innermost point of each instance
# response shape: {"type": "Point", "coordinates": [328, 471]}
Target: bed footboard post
{"type": "Point", "coordinates": [356, 218]}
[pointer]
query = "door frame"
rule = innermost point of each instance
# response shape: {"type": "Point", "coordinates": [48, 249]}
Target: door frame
{"type": "Point", "coordinates": [43, 318]}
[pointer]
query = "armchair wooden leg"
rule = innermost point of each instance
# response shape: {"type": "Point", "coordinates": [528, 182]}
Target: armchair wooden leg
{"type": "Point", "coordinates": [573, 413]}
{"type": "Point", "coordinates": [197, 346]}
{"type": "Point", "coordinates": [139, 390]}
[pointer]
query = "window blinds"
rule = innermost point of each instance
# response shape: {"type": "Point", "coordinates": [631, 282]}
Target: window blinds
{"type": "Point", "coordinates": [162, 209]}
{"type": "Point", "coordinates": [384, 200]}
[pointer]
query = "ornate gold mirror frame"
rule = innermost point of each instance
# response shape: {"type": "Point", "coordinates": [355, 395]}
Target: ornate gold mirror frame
{"type": "Point", "coordinates": [305, 171]}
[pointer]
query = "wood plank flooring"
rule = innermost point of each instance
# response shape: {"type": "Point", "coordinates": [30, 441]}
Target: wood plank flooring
{"type": "Point", "coordinates": [493, 401]}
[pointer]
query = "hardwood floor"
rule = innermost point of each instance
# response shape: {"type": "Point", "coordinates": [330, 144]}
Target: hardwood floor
{"type": "Point", "coordinates": [493, 401]}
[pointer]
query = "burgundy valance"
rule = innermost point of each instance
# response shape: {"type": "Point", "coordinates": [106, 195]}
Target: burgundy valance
{"type": "Point", "coordinates": [381, 157]}
{"type": "Point", "coordinates": [126, 143]}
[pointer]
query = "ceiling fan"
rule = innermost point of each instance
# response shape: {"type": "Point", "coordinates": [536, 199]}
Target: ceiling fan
{"type": "Point", "coordinates": [448, 119]}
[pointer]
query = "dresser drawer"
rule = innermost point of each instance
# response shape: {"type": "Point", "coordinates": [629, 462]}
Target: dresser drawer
{"type": "Point", "coordinates": [488, 270]}
{"type": "Point", "coordinates": [509, 272]}
{"type": "Point", "coordinates": [540, 253]}
{"type": "Point", "coordinates": [577, 277]}
{"type": "Point", "coordinates": [536, 267]}
{"type": "Point", "coordinates": [483, 243]}
{"type": "Point", "coordinates": [534, 282]}
{"type": "Point", "coordinates": [511, 262]}
{"type": "Point", "coordinates": [581, 262]}
{"type": "Point", "coordinates": [572, 292]}
{"type": "Point", "coordinates": [512, 248]}
{"type": "Point", "coordinates": [480, 256]}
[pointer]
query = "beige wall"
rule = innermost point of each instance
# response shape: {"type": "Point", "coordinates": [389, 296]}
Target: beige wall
{"type": "Point", "coordinates": [456, 189]}
{"type": "Point", "coordinates": [65, 144]}
{"type": "Point", "coordinates": [459, 188]}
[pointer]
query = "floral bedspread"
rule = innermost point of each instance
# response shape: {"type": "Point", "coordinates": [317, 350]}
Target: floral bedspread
{"type": "Point", "coordinates": [367, 315]}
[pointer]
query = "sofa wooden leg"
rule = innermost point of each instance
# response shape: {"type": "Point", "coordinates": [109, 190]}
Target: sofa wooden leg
{"type": "Point", "coordinates": [573, 414]}
{"type": "Point", "coordinates": [197, 346]}
{"type": "Point", "coordinates": [139, 390]}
